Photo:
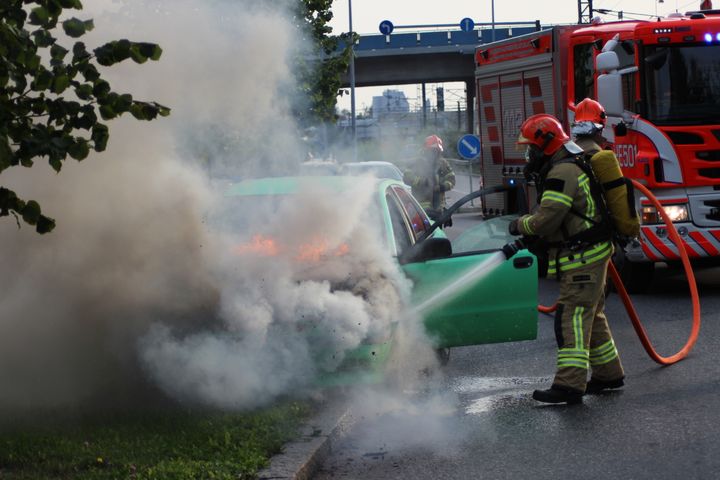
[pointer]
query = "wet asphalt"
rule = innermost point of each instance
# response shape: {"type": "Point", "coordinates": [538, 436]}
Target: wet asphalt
{"type": "Point", "coordinates": [475, 419]}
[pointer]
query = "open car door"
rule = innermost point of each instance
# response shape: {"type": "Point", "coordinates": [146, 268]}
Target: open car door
{"type": "Point", "coordinates": [497, 303]}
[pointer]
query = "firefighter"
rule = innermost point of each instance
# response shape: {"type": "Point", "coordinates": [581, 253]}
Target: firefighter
{"type": "Point", "coordinates": [431, 176]}
{"type": "Point", "coordinates": [590, 119]}
{"type": "Point", "coordinates": [579, 248]}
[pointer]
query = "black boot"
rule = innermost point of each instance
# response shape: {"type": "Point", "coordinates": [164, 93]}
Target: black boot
{"type": "Point", "coordinates": [596, 386]}
{"type": "Point", "coordinates": [558, 394]}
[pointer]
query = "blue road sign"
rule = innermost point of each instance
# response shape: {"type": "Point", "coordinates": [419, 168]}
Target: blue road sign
{"type": "Point", "coordinates": [386, 27]}
{"type": "Point", "coordinates": [467, 24]}
{"type": "Point", "coordinates": [469, 147]}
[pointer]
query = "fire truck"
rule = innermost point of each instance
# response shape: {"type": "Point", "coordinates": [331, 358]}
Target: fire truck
{"type": "Point", "coordinates": [659, 82]}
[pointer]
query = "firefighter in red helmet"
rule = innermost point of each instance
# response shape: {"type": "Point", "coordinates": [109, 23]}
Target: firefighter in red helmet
{"type": "Point", "coordinates": [569, 222]}
{"type": "Point", "coordinates": [431, 176]}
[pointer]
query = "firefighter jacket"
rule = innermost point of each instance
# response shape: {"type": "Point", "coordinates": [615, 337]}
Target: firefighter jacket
{"type": "Point", "coordinates": [430, 180]}
{"type": "Point", "coordinates": [564, 192]}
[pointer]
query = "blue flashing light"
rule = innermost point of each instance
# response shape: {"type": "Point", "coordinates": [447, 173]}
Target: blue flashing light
{"type": "Point", "coordinates": [512, 181]}
{"type": "Point", "coordinates": [717, 37]}
{"type": "Point", "coordinates": [708, 37]}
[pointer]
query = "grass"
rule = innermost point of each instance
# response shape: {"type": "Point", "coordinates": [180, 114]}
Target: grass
{"type": "Point", "coordinates": [163, 445]}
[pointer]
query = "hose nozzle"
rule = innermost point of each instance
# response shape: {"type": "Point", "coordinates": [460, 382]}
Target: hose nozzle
{"type": "Point", "coordinates": [510, 249]}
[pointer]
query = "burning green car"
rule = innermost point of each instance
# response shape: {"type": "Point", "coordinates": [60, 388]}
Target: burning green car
{"type": "Point", "coordinates": [458, 301]}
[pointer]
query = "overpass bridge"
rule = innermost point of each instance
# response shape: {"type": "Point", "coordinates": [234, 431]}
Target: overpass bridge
{"type": "Point", "coordinates": [428, 56]}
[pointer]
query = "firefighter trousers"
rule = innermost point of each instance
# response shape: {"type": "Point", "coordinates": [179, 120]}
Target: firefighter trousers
{"type": "Point", "coordinates": [583, 335]}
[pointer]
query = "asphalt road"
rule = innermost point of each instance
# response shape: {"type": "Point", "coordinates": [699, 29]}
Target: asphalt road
{"type": "Point", "coordinates": [477, 420]}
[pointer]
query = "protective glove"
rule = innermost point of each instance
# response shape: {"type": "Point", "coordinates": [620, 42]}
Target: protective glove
{"type": "Point", "coordinates": [510, 249]}
{"type": "Point", "coordinates": [513, 227]}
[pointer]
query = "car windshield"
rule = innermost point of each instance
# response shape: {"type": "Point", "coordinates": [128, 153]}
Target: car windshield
{"type": "Point", "coordinates": [491, 234]}
{"type": "Point", "coordinates": [682, 85]}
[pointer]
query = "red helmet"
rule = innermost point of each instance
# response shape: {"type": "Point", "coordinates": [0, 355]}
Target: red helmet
{"type": "Point", "coordinates": [590, 111]}
{"type": "Point", "coordinates": [545, 132]}
{"type": "Point", "coordinates": [433, 142]}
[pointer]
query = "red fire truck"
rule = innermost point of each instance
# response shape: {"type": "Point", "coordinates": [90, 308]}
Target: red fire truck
{"type": "Point", "coordinates": [659, 82]}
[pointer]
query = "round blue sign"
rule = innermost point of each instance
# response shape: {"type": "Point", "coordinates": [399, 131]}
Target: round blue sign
{"type": "Point", "coordinates": [386, 27]}
{"type": "Point", "coordinates": [469, 147]}
{"type": "Point", "coordinates": [467, 24]}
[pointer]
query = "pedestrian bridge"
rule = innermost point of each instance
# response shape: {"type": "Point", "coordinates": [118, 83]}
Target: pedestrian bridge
{"type": "Point", "coordinates": [428, 56]}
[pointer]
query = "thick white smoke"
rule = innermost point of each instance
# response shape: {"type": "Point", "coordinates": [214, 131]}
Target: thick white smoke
{"type": "Point", "coordinates": [139, 285]}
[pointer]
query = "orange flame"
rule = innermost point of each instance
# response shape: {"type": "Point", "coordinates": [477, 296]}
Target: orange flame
{"type": "Point", "coordinates": [260, 245]}
{"type": "Point", "coordinates": [313, 251]}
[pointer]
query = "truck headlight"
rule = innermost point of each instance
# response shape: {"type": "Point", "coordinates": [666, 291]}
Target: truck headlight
{"type": "Point", "coordinates": [676, 214]}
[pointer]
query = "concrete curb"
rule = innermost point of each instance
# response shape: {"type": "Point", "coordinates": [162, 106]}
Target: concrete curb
{"type": "Point", "coordinates": [301, 458]}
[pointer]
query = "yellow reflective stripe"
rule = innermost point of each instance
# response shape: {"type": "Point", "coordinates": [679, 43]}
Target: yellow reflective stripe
{"type": "Point", "coordinates": [608, 357]}
{"type": "Point", "coordinates": [577, 326]}
{"type": "Point", "coordinates": [527, 227]}
{"type": "Point", "coordinates": [602, 349]}
{"type": "Point", "coordinates": [599, 252]}
{"type": "Point", "coordinates": [570, 357]}
{"type": "Point", "coordinates": [603, 354]}
{"type": "Point", "coordinates": [590, 210]}
{"type": "Point", "coordinates": [553, 196]}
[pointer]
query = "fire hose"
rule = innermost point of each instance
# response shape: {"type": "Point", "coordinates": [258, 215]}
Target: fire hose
{"type": "Point", "coordinates": [632, 313]}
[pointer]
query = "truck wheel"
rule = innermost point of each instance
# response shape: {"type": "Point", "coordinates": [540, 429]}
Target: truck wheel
{"type": "Point", "coordinates": [636, 276]}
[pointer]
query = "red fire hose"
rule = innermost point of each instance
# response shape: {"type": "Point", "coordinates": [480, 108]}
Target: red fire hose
{"type": "Point", "coordinates": [639, 329]}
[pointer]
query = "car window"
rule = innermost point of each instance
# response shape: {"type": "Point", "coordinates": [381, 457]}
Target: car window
{"type": "Point", "coordinates": [399, 225]}
{"type": "Point", "coordinates": [418, 219]}
{"type": "Point", "coordinates": [490, 234]}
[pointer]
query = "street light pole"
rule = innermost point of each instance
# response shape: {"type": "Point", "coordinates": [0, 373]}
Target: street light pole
{"type": "Point", "coordinates": [492, 3]}
{"type": "Point", "coordinates": [352, 84]}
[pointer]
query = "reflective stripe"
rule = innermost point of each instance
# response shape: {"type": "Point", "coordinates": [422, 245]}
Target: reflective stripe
{"type": "Point", "coordinates": [603, 354]}
{"type": "Point", "coordinates": [553, 196]}
{"type": "Point", "coordinates": [577, 326]}
{"type": "Point", "coordinates": [526, 225]}
{"type": "Point", "coordinates": [584, 183]}
{"type": "Point", "coordinates": [595, 254]}
{"type": "Point", "coordinates": [570, 357]}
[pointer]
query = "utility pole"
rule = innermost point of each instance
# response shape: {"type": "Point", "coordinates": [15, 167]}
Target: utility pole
{"type": "Point", "coordinates": [352, 85]}
{"type": "Point", "coordinates": [585, 11]}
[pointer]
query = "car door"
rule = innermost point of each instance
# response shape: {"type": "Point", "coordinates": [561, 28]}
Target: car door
{"type": "Point", "coordinates": [472, 297]}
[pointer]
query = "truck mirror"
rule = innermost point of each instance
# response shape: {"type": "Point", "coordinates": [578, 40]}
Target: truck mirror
{"type": "Point", "coordinates": [609, 91]}
{"type": "Point", "coordinates": [607, 62]}
{"type": "Point", "coordinates": [620, 129]}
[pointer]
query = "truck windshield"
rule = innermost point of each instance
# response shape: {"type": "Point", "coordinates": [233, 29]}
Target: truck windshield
{"type": "Point", "coordinates": [682, 84]}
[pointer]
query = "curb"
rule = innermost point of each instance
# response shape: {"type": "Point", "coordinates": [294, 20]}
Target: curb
{"type": "Point", "coordinates": [301, 458]}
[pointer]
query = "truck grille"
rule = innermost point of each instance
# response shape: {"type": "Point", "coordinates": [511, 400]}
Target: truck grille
{"type": "Point", "coordinates": [708, 155]}
{"type": "Point", "coordinates": [705, 210]}
{"type": "Point", "coordinates": [709, 172]}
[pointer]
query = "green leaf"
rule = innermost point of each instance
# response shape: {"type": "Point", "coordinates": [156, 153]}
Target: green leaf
{"type": "Point", "coordinates": [90, 73]}
{"type": "Point", "coordinates": [5, 153]}
{"type": "Point", "coordinates": [39, 16]}
{"type": "Point", "coordinates": [136, 110]}
{"type": "Point", "coordinates": [31, 212]}
{"type": "Point", "coordinates": [42, 81]}
{"type": "Point", "coordinates": [80, 52]}
{"type": "Point", "coordinates": [136, 55]}
{"type": "Point", "coordinates": [80, 149]}
{"type": "Point", "coordinates": [107, 112]}
{"type": "Point", "coordinates": [44, 225]}
{"type": "Point", "coordinates": [74, 27]}
{"type": "Point", "coordinates": [101, 89]}
{"type": "Point", "coordinates": [58, 52]}
{"type": "Point", "coordinates": [60, 84]}
{"type": "Point", "coordinates": [121, 50]}
{"type": "Point", "coordinates": [84, 91]}
{"type": "Point", "coordinates": [43, 38]}
{"type": "Point", "coordinates": [100, 135]}
{"type": "Point", "coordinates": [123, 103]}
{"type": "Point", "coordinates": [71, 4]}
{"type": "Point", "coordinates": [150, 50]}
{"type": "Point", "coordinates": [104, 54]}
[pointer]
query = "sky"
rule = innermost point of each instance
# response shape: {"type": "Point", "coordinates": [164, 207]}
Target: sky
{"type": "Point", "coordinates": [367, 15]}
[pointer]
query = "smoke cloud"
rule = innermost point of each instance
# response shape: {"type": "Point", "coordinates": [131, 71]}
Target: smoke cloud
{"type": "Point", "coordinates": [145, 283]}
